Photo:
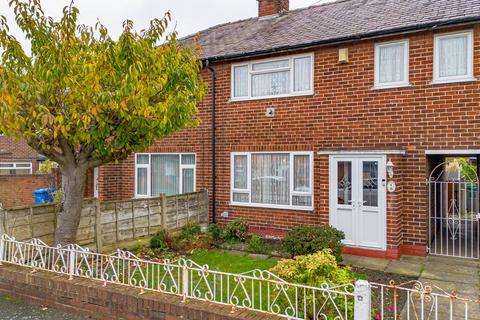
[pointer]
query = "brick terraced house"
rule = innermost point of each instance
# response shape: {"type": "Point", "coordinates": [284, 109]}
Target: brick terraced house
{"type": "Point", "coordinates": [351, 113]}
{"type": "Point", "coordinates": [16, 157]}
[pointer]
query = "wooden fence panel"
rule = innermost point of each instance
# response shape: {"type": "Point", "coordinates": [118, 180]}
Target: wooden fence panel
{"type": "Point", "coordinates": [109, 222]}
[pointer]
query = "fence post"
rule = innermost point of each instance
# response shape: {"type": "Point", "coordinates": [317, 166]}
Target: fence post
{"type": "Point", "coordinates": [163, 200]}
{"type": "Point", "coordinates": [2, 248]}
{"type": "Point", "coordinates": [2, 221]}
{"type": "Point", "coordinates": [362, 296]}
{"type": "Point", "coordinates": [98, 225]}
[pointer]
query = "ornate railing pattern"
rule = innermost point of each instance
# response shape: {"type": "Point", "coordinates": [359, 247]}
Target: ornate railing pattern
{"type": "Point", "coordinates": [257, 290]}
{"type": "Point", "coordinates": [414, 300]}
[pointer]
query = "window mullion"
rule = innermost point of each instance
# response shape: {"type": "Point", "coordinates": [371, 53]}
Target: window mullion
{"type": "Point", "coordinates": [149, 176]}
{"type": "Point", "coordinates": [180, 174]}
{"type": "Point", "coordinates": [292, 75]}
{"type": "Point", "coordinates": [249, 177]}
{"type": "Point", "coordinates": [292, 177]}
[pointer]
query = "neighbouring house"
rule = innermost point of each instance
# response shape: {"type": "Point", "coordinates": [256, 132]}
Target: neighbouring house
{"type": "Point", "coordinates": [19, 175]}
{"type": "Point", "coordinates": [347, 113]}
{"type": "Point", "coordinates": [16, 157]}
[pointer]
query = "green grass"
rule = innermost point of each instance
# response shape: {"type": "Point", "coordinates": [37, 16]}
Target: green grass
{"type": "Point", "coordinates": [227, 262]}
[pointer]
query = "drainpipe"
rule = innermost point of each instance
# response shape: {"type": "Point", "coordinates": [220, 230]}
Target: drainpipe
{"type": "Point", "coordinates": [214, 198]}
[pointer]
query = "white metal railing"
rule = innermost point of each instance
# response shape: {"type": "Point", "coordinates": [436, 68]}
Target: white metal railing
{"type": "Point", "coordinates": [415, 300]}
{"type": "Point", "coordinates": [257, 290]}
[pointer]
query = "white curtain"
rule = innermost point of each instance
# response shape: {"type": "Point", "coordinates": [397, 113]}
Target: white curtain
{"type": "Point", "coordinates": [392, 63]}
{"type": "Point", "coordinates": [188, 159]}
{"type": "Point", "coordinates": [269, 84]}
{"type": "Point", "coordinates": [453, 56]}
{"type": "Point", "coordinates": [165, 173]}
{"type": "Point", "coordinates": [270, 179]}
{"type": "Point", "coordinates": [240, 172]}
{"type": "Point", "coordinates": [302, 74]}
{"type": "Point", "coordinates": [301, 173]}
{"type": "Point", "coordinates": [271, 65]}
{"type": "Point", "coordinates": [240, 81]}
{"type": "Point", "coordinates": [142, 186]}
{"type": "Point", "coordinates": [188, 180]}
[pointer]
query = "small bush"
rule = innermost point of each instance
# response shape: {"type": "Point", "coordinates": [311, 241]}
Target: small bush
{"type": "Point", "coordinates": [313, 270]}
{"type": "Point", "coordinates": [236, 230]}
{"type": "Point", "coordinates": [310, 239]}
{"type": "Point", "coordinates": [162, 240]}
{"type": "Point", "coordinates": [215, 232]}
{"type": "Point", "coordinates": [257, 244]}
{"type": "Point", "coordinates": [190, 231]}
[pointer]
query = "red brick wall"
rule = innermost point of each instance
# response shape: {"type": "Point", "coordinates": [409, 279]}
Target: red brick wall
{"type": "Point", "coordinates": [17, 190]}
{"type": "Point", "coordinates": [12, 150]}
{"type": "Point", "coordinates": [91, 299]}
{"type": "Point", "coordinates": [344, 113]}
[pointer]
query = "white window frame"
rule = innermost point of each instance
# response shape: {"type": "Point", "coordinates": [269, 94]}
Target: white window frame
{"type": "Point", "coordinates": [406, 65]}
{"type": "Point", "coordinates": [290, 67]}
{"type": "Point", "coordinates": [470, 54]}
{"type": "Point", "coordinates": [293, 193]}
{"type": "Point", "coordinates": [17, 168]}
{"type": "Point", "coordinates": [149, 176]}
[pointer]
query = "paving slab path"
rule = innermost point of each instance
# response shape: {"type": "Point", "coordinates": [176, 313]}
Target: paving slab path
{"type": "Point", "coordinates": [445, 276]}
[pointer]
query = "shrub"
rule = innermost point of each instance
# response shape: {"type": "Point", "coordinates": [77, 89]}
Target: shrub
{"type": "Point", "coordinates": [215, 232]}
{"type": "Point", "coordinates": [190, 231]}
{"type": "Point", "coordinates": [236, 230]}
{"type": "Point", "coordinates": [257, 244]}
{"type": "Point", "coordinates": [313, 270]}
{"type": "Point", "coordinates": [162, 240]}
{"type": "Point", "coordinates": [310, 239]}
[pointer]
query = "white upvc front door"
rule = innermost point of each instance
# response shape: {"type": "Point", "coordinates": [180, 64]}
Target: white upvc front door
{"type": "Point", "coordinates": [358, 199]}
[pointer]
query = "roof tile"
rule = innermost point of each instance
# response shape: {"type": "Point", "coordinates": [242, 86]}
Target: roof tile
{"type": "Point", "coordinates": [329, 23]}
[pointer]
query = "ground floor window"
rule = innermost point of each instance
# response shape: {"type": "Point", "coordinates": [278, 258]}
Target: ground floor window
{"type": "Point", "coordinates": [168, 173]}
{"type": "Point", "coordinates": [15, 168]}
{"type": "Point", "coordinates": [272, 179]}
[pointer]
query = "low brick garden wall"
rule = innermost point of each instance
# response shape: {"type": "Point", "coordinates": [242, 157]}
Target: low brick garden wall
{"type": "Point", "coordinates": [90, 298]}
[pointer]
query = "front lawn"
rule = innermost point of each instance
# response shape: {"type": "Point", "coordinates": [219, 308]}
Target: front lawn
{"type": "Point", "coordinates": [227, 262]}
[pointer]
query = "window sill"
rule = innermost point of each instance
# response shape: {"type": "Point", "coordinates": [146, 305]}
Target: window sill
{"type": "Point", "coordinates": [453, 81]}
{"type": "Point", "coordinates": [271, 206]}
{"type": "Point", "coordinates": [271, 97]}
{"type": "Point", "coordinates": [393, 86]}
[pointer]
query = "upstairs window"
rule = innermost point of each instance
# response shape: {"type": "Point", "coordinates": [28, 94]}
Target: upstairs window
{"type": "Point", "coordinates": [167, 174]}
{"type": "Point", "coordinates": [273, 78]}
{"type": "Point", "coordinates": [453, 57]}
{"type": "Point", "coordinates": [391, 64]}
{"type": "Point", "coordinates": [15, 168]}
{"type": "Point", "coordinates": [272, 180]}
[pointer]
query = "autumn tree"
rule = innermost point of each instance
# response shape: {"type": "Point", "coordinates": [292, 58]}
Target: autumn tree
{"type": "Point", "coordinates": [84, 99]}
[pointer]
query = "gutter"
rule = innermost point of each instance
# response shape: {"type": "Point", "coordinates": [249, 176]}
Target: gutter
{"type": "Point", "coordinates": [357, 37]}
{"type": "Point", "coordinates": [214, 180]}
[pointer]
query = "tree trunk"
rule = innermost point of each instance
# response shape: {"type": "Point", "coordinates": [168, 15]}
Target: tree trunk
{"type": "Point", "coordinates": [70, 209]}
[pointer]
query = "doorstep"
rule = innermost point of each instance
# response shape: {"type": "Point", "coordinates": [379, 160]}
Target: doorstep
{"type": "Point", "coordinates": [406, 265]}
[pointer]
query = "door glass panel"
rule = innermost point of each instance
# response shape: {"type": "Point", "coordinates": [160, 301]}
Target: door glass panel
{"type": "Point", "coordinates": [370, 183]}
{"type": "Point", "coordinates": [344, 182]}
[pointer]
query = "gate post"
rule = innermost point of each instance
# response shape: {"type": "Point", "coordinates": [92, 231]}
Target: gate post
{"type": "Point", "coordinates": [2, 248]}
{"type": "Point", "coordinates": [363, 295]}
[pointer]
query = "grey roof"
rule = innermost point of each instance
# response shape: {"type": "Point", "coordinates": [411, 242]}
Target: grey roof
{"type": "Point", "coordinates": [334, 22]}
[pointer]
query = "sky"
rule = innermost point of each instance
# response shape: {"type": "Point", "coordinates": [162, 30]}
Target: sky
{"type": "Point", "coordinates": [188, 16]}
